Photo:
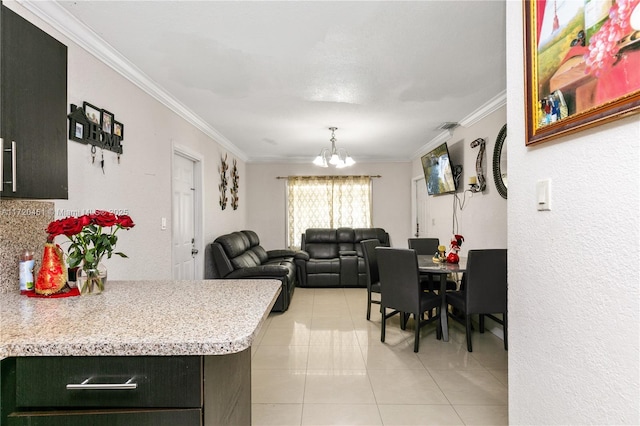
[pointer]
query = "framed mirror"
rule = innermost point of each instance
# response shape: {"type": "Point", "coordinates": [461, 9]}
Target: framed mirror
{"type": "Point", "coordinates": [500, 162]}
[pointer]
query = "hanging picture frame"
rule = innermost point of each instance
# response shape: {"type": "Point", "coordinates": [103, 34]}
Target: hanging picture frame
{"type": "Point", "coordinates": [581, 65]}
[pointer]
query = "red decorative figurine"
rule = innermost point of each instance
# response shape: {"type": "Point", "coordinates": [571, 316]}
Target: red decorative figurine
{"type": "Point", "coordinates": [456, 243]}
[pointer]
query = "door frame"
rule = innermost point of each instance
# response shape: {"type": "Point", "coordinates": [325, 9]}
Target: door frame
{"type": "Point", "coordinates": [414, 204]}
{"type": "Point", "coordinates": [198, 204]}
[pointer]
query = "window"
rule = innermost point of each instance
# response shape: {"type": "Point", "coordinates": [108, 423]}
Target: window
{"type": "Point", "coordinates": [327, 202]}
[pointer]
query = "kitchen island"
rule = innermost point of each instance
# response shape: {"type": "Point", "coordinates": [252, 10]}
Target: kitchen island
{"type": "Point", "coordinates": [168, 331]}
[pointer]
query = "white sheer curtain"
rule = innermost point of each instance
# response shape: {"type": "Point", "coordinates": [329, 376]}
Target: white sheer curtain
{"type": "Point", "coordinates": [327, 202]}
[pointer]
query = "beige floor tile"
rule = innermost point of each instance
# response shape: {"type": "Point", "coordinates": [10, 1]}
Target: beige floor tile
{"type": "Point", "coordinates": [290, 321]}
{"type": "Point", "coordinates": [330, 323]}
{"type": "Point", "coordinates": [484, 414]}
{"type": "Point", "coordinates": [405, 387]}
{"type": "Point", "coordinates": [280, 358]}
{"type": "Point", "coordinates": [335, 358]}
{"type": "Point", "coordinates": [340, 414]}
{"type": "Point", "coordinates": [447, 356]}
{"type": "Point", "coordinates": [407, 415]}
{"type": "Point", "coordinates": [334, 337]}
{"type": "Point", "coordinates": [295, 336]}
{"type": "Point", "coordinates": [322, 362]}
{"type": "Point", "coordinates": [276, 414]}
{"type": "Point", "coordinates": [277, 386]}
{"type": "Point", "coordinates": [390, 358]}
{"type": "Point", "coordinates": [338, 387]}
{"type": "Point", "coordinates": [502, 375]}
{"type": "Point", "coordinates": [471, 387]}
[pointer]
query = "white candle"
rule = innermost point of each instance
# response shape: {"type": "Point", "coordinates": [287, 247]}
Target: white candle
{"type": "Point", "coordinates": [473, 180]}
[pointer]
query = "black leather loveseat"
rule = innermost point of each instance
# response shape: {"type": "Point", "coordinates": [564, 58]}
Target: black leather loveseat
{"type": "Point", "coordinates": [239, 255]}
{"type": "Point", "coordinates": [333, 257]}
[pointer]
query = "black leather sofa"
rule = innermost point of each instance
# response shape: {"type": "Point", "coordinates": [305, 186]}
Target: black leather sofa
{"type": "Point", "coordinates": [333, 257]}
{"type": "Point", "coordinates": [239, 255]}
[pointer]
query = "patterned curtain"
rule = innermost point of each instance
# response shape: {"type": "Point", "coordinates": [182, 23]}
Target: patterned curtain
{"type": "Point", "coordinates": [327, 202]}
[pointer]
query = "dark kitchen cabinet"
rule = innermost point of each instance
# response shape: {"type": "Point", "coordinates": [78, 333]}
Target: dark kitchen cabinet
{"type": "Point", "coordinates": [126, 390]}
{"type": "Point", "coordinates": [33, 117]}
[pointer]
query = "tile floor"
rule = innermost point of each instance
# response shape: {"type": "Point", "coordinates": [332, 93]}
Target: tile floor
{"type": "Point", "coordinates": [322, 363]}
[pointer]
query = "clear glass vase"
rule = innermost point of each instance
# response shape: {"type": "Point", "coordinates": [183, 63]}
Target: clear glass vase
{"type": "Point", "coordinates": [91, 279]}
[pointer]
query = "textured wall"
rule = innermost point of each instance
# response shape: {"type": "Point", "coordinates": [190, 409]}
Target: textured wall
{"type": "Point", "coordinates": [574, 293]}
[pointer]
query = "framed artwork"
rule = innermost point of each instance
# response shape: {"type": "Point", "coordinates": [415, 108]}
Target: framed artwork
{"type": "Point", "coordinates": [582, 61]}
{"type": "Point", "coordinates": [92, 113]}
{"type": "Point", "coordinates": [118, 129]}
{"type": "Point", "coordinates": [78, 132]}
{"type": "Point", "coordinates": [107, 121]}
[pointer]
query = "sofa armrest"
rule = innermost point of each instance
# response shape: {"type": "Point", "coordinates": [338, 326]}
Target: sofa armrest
{"type": "Point", "coordinates": [348, 253]}
{"type": "Point", "coordinates": [274, 254]}
{"type": "Point", "coordinates": [302, 255]}
{"type": "Point", "coordinates": [261, 271]}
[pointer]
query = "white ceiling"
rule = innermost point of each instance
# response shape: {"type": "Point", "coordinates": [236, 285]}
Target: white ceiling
{"type": "Point", "coordinates": [272, 76]}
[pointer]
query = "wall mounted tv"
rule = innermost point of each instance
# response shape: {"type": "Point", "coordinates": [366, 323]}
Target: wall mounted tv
{"type": "Point", "coordinates": [438, 171]}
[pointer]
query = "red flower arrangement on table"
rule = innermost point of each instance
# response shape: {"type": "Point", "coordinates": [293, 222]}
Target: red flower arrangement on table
{"type": "Point", "coordinates": [89, 244]}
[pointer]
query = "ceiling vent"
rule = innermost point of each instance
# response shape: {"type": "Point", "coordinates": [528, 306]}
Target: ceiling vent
{"type": "Point", "coordinates": [447, 125]}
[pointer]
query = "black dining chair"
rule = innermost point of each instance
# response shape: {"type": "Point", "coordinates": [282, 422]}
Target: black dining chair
{"type": "Point", "coordinates": [401, 291]}
{"type": "Point", "coordinates": [485, 290]}
{"type": "Point", "coordinates": [429, 246]}
{"type": "Point", "coordinates": [371, 267]}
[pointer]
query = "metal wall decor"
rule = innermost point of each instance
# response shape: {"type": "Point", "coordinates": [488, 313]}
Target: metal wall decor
{"type": "Point", "coordinates": [94, 126]}
{"type": "Point", "coordinates": [234, 185]}
{"type": "Point", "coordinates": [223, 182]}
{"type": "Point", "coordinates": [481, 182]}
{"type": "Point", "coordinates": [500, 162]}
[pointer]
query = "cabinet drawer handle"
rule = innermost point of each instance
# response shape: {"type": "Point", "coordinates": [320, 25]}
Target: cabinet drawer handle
{"type": "Point", "coordinates": [102, 386]}
{"type": "Point", "coordinates": [14, 163]}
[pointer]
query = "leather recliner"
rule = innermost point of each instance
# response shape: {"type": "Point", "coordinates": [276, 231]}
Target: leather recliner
{"type": "Point", "coordinates": [334, 258]}
{"type": "Point", "coordinates": [239, 255]}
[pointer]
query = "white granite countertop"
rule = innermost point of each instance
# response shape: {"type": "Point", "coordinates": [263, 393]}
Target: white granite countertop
{"type": "Point", "coordinates": [211, 317]}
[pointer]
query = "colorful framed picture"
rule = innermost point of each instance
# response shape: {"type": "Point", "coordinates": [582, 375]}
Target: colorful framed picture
{"type": "Point", "coordinates": [118, 129]}
{"type": "Point", "coordinates": [582, 64]}
{"type": "Point", "coordinates": [93, 114]}
{"type": "Point", "coordinates": [107, 121]}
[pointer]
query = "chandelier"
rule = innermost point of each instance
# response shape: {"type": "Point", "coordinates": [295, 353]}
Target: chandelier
{"type": "Point", "coordinates": [338, 158]}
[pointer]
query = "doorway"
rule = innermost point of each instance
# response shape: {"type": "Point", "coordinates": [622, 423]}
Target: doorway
{"type": "Point", "coordinates": [419, 207]}
{"type": "Point", "coordinates": [186, 218]}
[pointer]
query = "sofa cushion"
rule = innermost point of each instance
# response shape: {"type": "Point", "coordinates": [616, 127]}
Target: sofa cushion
{"type": "Point", "coordinates": [321, 243]}
{"type": "Point", "coordinates": [234, 244]}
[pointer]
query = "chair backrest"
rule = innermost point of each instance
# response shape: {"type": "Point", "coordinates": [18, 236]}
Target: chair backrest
{"type": "Point", "coordinates": [424, 245]}
{"type": "Point", "coordinates": [399, 279]}
{"type": "Point", "coordinates": [486, 281]}
{"type": "Point", "coordinates": [371, 260]}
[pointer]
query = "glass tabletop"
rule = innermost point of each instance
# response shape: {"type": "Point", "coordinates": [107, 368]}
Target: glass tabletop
{"type": "Point", "coordinates": [426, 264]}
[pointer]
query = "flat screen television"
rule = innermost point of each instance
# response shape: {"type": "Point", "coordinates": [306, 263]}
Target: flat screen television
{"type": "Point", "coordinates": [438, 171]}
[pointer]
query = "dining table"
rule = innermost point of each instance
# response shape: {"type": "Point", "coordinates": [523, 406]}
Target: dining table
{"type": "Point", "coordinates": [426, 264]}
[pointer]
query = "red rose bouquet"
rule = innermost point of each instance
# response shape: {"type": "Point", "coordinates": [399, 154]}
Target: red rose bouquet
{"type": "Point", "coordinates": [90, 240]}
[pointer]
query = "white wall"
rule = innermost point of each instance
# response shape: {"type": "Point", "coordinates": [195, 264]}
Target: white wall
{"type": "Point", "coordinates": [483, 219]}
{"type": "Point", "coordinates": [141, 183]}
{"type": "Point", "coordinates": [573, 271]}
{"type": "Point", "coordinates": [266, 197]}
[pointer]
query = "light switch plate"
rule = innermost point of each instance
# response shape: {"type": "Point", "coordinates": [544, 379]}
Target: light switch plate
{"type": "Point", "coordinates": [543, 194]}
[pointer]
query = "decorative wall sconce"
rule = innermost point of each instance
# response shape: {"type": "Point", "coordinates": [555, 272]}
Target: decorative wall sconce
{"type": "Point", "coordinates": [234, 185]}
{"type": "Point", "coordinates": [478, 183]}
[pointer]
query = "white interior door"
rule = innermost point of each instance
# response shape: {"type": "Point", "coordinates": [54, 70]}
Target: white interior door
{"type": "Point", "coordinates": [183, 218]}
{"type": "Point", "coordinates": [421, 211]}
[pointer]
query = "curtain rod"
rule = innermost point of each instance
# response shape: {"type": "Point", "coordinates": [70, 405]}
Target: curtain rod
{"type": "Point", "coordinates": [371, 176]}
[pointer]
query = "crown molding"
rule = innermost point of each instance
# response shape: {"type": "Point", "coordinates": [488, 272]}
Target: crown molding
{"type": "Point", "coordinates": [68, 25]}
{"type": "Point", "coordinates": [489, 107]}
